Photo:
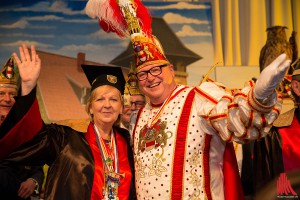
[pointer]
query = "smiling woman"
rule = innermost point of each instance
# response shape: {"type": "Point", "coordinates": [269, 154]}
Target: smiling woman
{"type": "Point", "coordinates": [103, 152]}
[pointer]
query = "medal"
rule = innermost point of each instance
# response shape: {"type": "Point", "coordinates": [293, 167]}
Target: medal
{"type": "Point", "coordinates": [154, 135]}
{"type": "Point", "coordinates": [112, 181]}
{"type": "Point", "coordinates": [110, 161]}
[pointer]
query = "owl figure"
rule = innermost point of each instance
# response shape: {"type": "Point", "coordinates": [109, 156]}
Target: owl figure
{"type": "Point", "coordinates": [276, 44]}
{"type": "Point", "coordinates": [294, 46]}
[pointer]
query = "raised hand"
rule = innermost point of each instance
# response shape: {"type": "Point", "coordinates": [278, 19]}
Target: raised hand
{"type": "Point", "coordinates": [270, 77]}
{"type": "Point", "coordinates": [29, 68]}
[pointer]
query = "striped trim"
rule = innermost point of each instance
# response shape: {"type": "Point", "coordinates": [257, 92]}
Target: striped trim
{"type": "Point", "coordinates": [264, 120]}
{"type": "Point", "coordinates": [162, 107]}
{"type": "Point", "coordinates": [240, 94]}
{"type": "Point", "coordinates": [233, 105]}
{"type": "Point", "coordinates": [255, 105]}
{"type": "Point", "coordinates": [230, 137]}
{"type": "Point", "coordinates": [228, 98]}
{"type": "Point", "coordinates": [276, 110]}
{"type": "Point", "coordinates": [251, 83]}
{"type": "Point", "coordinates": [218, 117]}
{"type": "Point", "coordinates": [177, 92]}
{"type": "Point", "coordinates": [206, 173]}
{"type": "Point", "coordinates": [178, 163]}
{"type": "Point", "coordinates": [251, 117]}
{"type": "Point", "coordinates": [206, 96]}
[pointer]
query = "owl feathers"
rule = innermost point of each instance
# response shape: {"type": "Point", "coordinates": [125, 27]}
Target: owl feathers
{"type": "Point", "coordinates": [276, 44]}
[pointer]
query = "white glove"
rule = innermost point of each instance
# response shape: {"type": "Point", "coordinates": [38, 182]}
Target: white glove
{"type": "Point", "coordinates": [270, 77]}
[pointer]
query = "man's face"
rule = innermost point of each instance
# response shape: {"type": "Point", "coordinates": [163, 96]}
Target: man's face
{"type": "Point", "coordinates": [296, 87]}
{"type": "Point", "coordinates": [125, 117]}
{"type": "Point", "coordinates": [6, 100]}
{"type": "Point", "coordinates": [158, 88]}
{"type": "Point", "coordinates": [136, 102]}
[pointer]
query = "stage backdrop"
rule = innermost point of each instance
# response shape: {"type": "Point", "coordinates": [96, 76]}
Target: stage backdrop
{"type": "Point", "coordinates": [63, 28]}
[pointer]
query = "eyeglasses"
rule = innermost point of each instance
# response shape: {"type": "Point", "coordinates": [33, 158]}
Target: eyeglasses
{"type": "Point", "coordinates": [154, 71]}
{"type": "Point", "coordinates": [137, 103]}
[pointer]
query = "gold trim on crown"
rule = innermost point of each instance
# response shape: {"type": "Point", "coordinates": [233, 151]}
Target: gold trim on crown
{"type": "Point", "coordinates": [8, 76]}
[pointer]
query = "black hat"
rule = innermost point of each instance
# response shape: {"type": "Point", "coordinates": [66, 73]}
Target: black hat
{"type": "Point", "coordinates": [104, 75]}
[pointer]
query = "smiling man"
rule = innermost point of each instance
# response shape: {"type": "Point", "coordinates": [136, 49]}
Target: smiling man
{"type": "Point", "coordinates": [181, 137]}
{"type": "Point", "coordinates": [16, 181]}
{"type": "Point", "coordinates": [8, 89]}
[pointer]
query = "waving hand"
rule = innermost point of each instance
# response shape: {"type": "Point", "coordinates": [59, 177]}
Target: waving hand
{"type": "Point", "coordinates": [29, 65]}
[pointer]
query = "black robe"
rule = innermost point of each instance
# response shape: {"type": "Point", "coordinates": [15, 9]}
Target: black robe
{"type": "Point", "coordinates": [66, 151]}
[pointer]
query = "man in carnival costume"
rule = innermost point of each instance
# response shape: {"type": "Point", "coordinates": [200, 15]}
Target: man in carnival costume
{"type": "Point", "coordinates": [16, 181]}
{"type": "Point", "coordinates": [134, 99]}
{"type": "Point", "coordinates": [182, 137]}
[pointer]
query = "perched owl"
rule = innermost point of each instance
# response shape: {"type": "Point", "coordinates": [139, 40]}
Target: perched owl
{"type": "Point", "coordinates": [293, 43]}
{"type": "Point", "coordinates": [276, 44]}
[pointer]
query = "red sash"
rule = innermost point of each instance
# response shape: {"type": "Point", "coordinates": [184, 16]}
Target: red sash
{"type": "Point", "coordinates": [123, 189]}
{"type": "Point", "coordinates": [232, 182]}
{"type": "Point", "coordinates": [21, 133]}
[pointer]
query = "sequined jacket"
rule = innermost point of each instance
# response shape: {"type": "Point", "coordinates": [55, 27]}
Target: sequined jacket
{"type": "Point", "coordinates": [180, 146]}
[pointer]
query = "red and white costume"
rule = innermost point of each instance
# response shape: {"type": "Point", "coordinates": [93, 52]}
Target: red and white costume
{"type": "Point", "coordinates": [179, 146]}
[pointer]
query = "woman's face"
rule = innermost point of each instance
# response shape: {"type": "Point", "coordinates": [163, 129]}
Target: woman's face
{"type": "Point", "coordinates": [106, 105]}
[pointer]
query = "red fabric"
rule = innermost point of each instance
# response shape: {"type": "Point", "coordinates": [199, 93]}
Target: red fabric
{"type": "Point", "coordinates": [117, 23]}
{"type": "Point", "coordinates": [177, 180]}
{"type": "Point", "coordinates": [123, 189]}
{"type": "Point", "coordinates": [232, 181]}
{"type": "Point", "coordinates": [290, 137]}
{"type": "Point", "coordinates": [21, 133]}
{"type": "Point", "coordinates": [206, 96]}
{"type": "Point", "coordinates": [144, 18]}
{"type": "Point", "coordinates": [206, 166]}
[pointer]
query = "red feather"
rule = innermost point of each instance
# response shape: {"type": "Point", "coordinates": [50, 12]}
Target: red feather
{"type": "Point", "coordinates": [111, 18]}
{"type": "Point", "coordinates": [144, 17]}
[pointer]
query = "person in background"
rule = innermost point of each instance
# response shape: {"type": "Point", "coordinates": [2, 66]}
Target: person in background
{"type": "Point", "coordinates": [134, 99]}
{"type": "Point", "coordinates": [16, 181]}
{"type": "Point", "coordinates": [8, 88]}
{"type": "Point", "coordinates": [94, 165]}
{"type": "Point", "coordinates": [278, 152]}
{"type": "Point", "coordinates": [182, 136]}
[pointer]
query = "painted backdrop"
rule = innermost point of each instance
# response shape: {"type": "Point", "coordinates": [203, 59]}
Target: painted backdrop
{"type": "Point", "coordinates": [62, 27]}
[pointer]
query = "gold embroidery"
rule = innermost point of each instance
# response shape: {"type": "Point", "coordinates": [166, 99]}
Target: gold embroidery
{"type": "Point", "coordinates": [156, 168]}
{"type": "Point", "coordinates": [153, 137]}
{"type": "Point", "coordinates": [194, 161]}
{"type": "Point", "coordinates": [140, 168]}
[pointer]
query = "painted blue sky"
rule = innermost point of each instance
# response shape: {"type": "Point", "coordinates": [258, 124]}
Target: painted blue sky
{"type": "Point", "coordinates": [62, 27]}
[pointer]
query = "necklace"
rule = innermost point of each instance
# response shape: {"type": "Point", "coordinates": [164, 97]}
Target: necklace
{"type": "Point", "coordinates": [159, 112]}
{"type": "Point", "coordinates": [109, 153]}
{"type": "Point", "coordinates": [154, 135]}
